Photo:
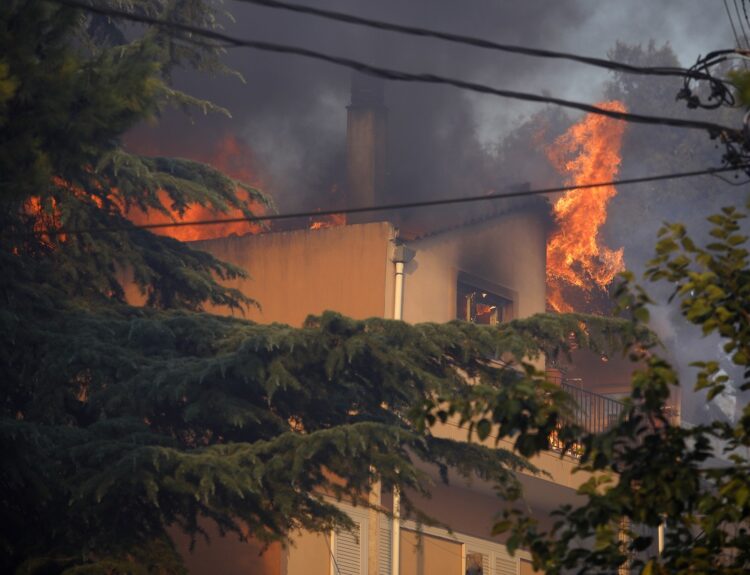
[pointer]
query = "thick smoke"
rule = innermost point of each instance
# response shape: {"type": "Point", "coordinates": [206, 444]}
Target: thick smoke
{"type": "Point", "coordinates": [291, 111]}
{"type": "Point", "coordinates": [443, 142]}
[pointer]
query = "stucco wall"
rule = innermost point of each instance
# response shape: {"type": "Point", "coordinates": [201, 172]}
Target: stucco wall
{"type": "Point", "coordinates": [298, 273]}
{"type": "Point", "coordinates": [508, 250]}
{"type": "Point", "coordinates": [471, 505]}
{"type": "Point", "coordinates": [227, 555]}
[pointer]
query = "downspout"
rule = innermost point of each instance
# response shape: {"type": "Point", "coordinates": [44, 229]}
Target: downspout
{"type": "Point", "coordinates": [661, 538]}
{"type": "Point", "coordinates": [396, 532]}
{"type": "Point", "coordinates": [401, 256]}
{"type": "Point", "coordinates": [398, 291]}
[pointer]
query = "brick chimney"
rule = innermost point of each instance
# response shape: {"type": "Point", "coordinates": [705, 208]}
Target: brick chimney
{"type": "Point", "coordinates": [366, 144]}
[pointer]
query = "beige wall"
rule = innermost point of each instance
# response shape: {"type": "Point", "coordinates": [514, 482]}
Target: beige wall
{"type": "Point", "coordinates": [349, 269]}
{"type": "Point", "coordinates": [552, 467]}
{"type": "Point", "coordinates": [227, 555]}
{"type": "Point", "coordinates": [472, 507]}
{"type": "Point", "coordinates": [509, 250]}
{"type": "Point", "coordinates": [295, 274]}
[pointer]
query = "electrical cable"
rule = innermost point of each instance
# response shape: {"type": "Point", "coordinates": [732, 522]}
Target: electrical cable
{"type": "Point", "coordinates": [731, 22]}
{"type": "Point", "coordinates": [384, 207]}
{"type": "Point", "coordinates": [730, 182]}
{"type": "Point", "coordinates": [741, 23]}
{"type": "Point", "coordinates": [714, 130]}
{"type": "Point", "coordinates": [474, 41]}
{"type": "Point", "coordinates": [742, 27]}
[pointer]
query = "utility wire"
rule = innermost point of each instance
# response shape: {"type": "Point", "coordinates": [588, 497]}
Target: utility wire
{"type": "Point", "coordinates": [731, 22]}
{"type": "Point", "coordinates": [741, 23]}
{"type": "Point", "coordinates": [476, 42]}
{"type": "Point", "coordinates": [385, 207]}
{"type": "Point", "coordinates": [714, 130]}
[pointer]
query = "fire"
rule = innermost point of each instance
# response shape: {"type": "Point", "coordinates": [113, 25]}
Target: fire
{"type": "Point", "coordinates": [233, 157]}
{"type": "Point", "coordinates": [45, 213]}
{"type": "Point", "coordinates": [45, 218]}
{"type": "Point", "coordinates": [331, 221]}
{"type": "Point", "coordinates": [588, 152]}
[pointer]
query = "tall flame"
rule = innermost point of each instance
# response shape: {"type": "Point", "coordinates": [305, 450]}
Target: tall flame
{"type": "Point", "coordinates": [588, 152]}
{"type": "Point", "coordinates": [233, 157]}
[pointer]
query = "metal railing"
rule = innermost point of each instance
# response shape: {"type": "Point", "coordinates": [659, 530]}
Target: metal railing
{"type": "Point", "coordinates": [593, 412]}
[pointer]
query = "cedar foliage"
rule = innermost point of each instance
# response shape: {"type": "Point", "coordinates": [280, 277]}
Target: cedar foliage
{"type": "Point", "coordinates": [117, 422]}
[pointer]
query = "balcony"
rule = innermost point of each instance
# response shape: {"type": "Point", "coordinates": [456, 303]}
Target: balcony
{"type": "Point", "coordinates": [594, 413]}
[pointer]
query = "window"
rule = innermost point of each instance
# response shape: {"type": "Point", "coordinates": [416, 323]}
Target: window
{"type": "Point", "coordinates": [481, 302]}
{"type": "Point", "coordinates": [477, 563]}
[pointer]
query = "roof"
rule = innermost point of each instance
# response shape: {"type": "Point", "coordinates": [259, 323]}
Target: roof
{"type": "Point", "coordinates": [439, 220]}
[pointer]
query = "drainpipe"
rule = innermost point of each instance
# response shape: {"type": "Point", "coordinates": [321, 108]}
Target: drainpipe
{"type": "Point", "coordinates": [396, 532]}
{"type": "Point", "coordinates": [398, 292]}
{"type": "Point", "coordinates": [661, 538]}
{"type": "Point", "coordinates": [401, 256]}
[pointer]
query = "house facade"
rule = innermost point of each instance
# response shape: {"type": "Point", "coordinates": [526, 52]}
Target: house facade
{"type": "Point", "coordinates": [487, 271]}
{"type": "Point", "coordinates": [487, 267]}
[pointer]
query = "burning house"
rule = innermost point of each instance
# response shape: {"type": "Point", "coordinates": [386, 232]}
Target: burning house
{"type": "Point", "coordinates": [488, 269]}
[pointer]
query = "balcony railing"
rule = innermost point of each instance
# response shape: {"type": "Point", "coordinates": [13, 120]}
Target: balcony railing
{"type": "Point", "coordinates": [594, 412]}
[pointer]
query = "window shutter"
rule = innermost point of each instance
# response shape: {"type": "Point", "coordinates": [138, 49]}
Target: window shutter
{"type": "Point", "coordinates": [505, 564]}
{"type": "Point", "coordinates": [348, 553]}
{"type": "Point", "coordinates": [384, 545]}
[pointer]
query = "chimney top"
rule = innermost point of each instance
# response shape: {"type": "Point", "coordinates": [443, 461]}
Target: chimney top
{"type": "Point", "coordinates": [367, 91]}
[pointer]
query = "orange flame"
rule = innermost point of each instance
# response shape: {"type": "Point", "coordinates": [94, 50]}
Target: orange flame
{"type": "Point", "coordinates": [588, 152]}
{"type": "Point", "coordinates": [331, 221]}
{"type": "Point", "coordinates": [46, 215]}
{"type": "Point", "coordinates": [45, 218]}
{"type": "Point", "coordinates": [233, 157]}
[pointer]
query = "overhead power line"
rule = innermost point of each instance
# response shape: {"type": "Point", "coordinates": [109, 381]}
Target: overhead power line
{"type": "Point", "coordinates": [731, 22]}
{"type": "Point", "coordinates": [386, 207]}
{"type": "Point", "coordinates": [742, 24]}
{"type": "Point", "coordinates": [478, 42]}
{"type": "Point", "coordinates": [713, 129]}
